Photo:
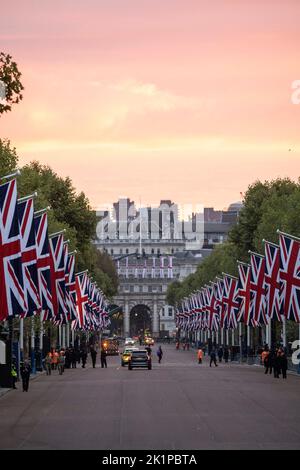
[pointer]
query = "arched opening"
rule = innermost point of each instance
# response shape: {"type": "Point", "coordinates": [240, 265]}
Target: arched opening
{"type": "Point", "coordinates": [140, 320]}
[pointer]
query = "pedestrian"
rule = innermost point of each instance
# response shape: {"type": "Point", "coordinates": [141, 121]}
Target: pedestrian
{"type": "Point", "coordinates": [188, 345]}
{"type": "Point", "coordinates": [177, 345]}
{"type": "Point", "coordinates": [159, 354]}
{"type": "Point", "coordinates": [55, 356]}
{"type": "Point", "coordinates": [68, 358]}
{"type": "Point", "coordinates": [25, 371]}
{"type": "Point", "coordinates": [14, 376]}
{"type": "Point", "coordinates": [283, 364]}
{"type": "Point", "coordinates": [61, 363]}
{"type": "Point", "coordinates": [200, 355]}
{"type": "Point", "coordinates": [83, 356]}
{"type": "Point", "coordinates": [277, 364]}
{"type": "Point", "coordinates": [213, 358]}
{"type": "Point", "coordinates": [77, 355]}
{"type": "Point", "coordinates": [149, 350]}
{"type": "Point", "coordinates": [265, 359]}
{"type": "Point", "coordinates": [73, 358]}
{"type": "Point", "coordinates": [220, 353]}
{"type": "Point", "coordinates": [184, 346]}
{"type": "Point", "coordinates": [48, 363]}
{"type": "Point", "coordinates": [93, 356]}
{"type": "Point", "coordinates": [226, 354]}
{"type": "Point", "coordinates": [103, 355]}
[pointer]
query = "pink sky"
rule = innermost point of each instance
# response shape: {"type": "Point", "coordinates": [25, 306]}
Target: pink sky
{"type": "Point", "coordinates": [188, 100]}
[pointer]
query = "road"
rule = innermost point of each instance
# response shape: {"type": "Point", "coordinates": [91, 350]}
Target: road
{"type": "Point", "coordinates": [177, 405]}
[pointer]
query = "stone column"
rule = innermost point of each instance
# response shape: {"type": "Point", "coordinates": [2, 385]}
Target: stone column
{"type": "Point", "coordinates": [155, 323]}
{"type": "Point", "coordinates": [126, 321]}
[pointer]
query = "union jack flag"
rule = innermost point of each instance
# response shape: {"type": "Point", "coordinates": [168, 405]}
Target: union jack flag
{"type": "Point", "coordinates": [245, 295]}
{"type": "Point", "coordinates": [290, 276]}
{"type": "Point", "coordinates": [272, 280]}
{"type": "Point", "coordinates": [43, 264]}
{"type": "Point", "coordinates": [58, 282]}
{"type": "Point", "coordinates": [29, 256]}
{"type": "Point", "coordinates": [70, 286]}
{"type": "Point", "coordinates": [257, 287]}
{"type": "Point", "coordinates": [12, 298]}
{"type": "Point", "coordinates": [81, 281]}
{"type": "Point", "coordinates": [230, 305]}
{"type": "Point", "coordinates": [211, 308]}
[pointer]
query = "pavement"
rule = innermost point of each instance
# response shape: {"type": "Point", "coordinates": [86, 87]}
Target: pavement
{"type": "Point", "coordinates": [178, 405]}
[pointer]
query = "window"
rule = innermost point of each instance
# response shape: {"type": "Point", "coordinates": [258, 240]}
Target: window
{"type": "Point", "coordinates": [111, 251]}
{"type": "Point", "coordinates": [170, 312]}
{"type": "Point", "coordinates": [121, 251]}
{"type": "Point", "coordinates": [127, 251]}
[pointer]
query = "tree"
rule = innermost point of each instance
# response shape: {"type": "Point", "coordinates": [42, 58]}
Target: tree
{"type": "Point", "coordinates": [8, 158]}
{"type": "Point", "coordinates": [10, 82]}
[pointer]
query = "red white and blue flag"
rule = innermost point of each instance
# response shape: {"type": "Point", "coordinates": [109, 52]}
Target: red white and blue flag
{"type": "Point", "coordinates": [257, 287]}
{"type": "Point", "coordinates": [43, 264]}
{"type": "Point", "coordinates": [272, 280]}
{"type": "Point", "coordinates": [244, 294]}
{"type": "Point", "coordinates": [58, 282]}
{"type": "Point", "coordinates": [81, 282]}
{"type": "Point", "coordinates": [12, 298]}
{"type": "Point", "coordinates": [29, 256]}
{"type": "Point", "coordinates": [230, 304]}
{"type": "Point", "coordinates": [290, 276]}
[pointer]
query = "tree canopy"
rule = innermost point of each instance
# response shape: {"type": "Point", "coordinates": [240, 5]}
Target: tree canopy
{"type": "Point", "coordinates": [69, 211]}
{"type": "Point", "coordinates": [10, 81]}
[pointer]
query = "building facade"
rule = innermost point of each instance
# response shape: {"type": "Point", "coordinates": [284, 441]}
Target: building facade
{"type": "Point", "coordinates": [152, 247]}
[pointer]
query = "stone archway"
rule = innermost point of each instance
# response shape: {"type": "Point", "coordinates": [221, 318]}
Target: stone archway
{"type": "Point", "coordinates": [140, 320]}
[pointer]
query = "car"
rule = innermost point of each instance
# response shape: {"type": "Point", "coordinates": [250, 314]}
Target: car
{"type": "Point", "coordinates": [149, 341]}
{"type": "Point", "coordinates": [125, 356]}
{"type": "Point", "coordinates": [129, 342]}
{"type": "Point", "coordinates": [139, 359]}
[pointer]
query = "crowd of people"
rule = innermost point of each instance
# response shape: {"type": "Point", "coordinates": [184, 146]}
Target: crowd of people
{"type": "Point", "coordinates": [275, 360]}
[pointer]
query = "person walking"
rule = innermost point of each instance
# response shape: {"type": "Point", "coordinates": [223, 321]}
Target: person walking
{"type": "Point", "coordinates": [200, 355]}
{"type": "Point", "coordinates": [103, 355]}
{"type": "Point", "coordinates": [283, 364]}
{"type": "Point", "coordinates": [73, 358]}
{"type": "Point", "coordinates": [159, 354]}
{"type": "Point", "coordinates": [213, 358]}
{"type": "Point", "coordinates": [277, 364]}
{"type": "Point", "coordinates": [61, 363]}
{"type": "Point", "coordinates": [220, 353]}
{"type": "Point", "coordinates": [265, 359]}
{"type": "Point", "coordinates": [25, 371]}
{"type": "Point", "coordinates": [55, 356]}
{"type": "Point", "coordinates": [83, 355]}
{"type": "Point", "coordinates": [93, 356]}
{"type": "Point", "coordinates": [48, 363]}
{"type": "Point", "coordinates": [226, 354]}
{"type": "Point", "coordinates": [14, 376]}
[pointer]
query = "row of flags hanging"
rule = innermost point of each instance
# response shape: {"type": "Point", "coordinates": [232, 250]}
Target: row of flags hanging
{"type": "Point", "coordinates": [266, 288]}
{"type": "Point", "coordinates": [146, 270]}
{"type": "Point", "coordinates": [37, 271]}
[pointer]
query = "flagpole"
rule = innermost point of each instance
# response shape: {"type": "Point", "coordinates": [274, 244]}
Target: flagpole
{"type": "Point", "coordinates": [41, 337]}
{"type": "Point", "coordinates": [22, 337]}
{"type": "Point", "coordinates": [288, 235]}
{"type": "Point", "coordinates": [26, 198]}
{"type": "Point", "coordinates": [57, 233]}
{"type": "Point", "coordinates": [270, 243]}
{"type": "Point", "coordinates": [256, 254]}
{"type": "Point", "coordinates": [6, 177]}
{"type": "Point", "coordinates": [32, 347]}
{"type": "Point", "coordinates": [41, 211]}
